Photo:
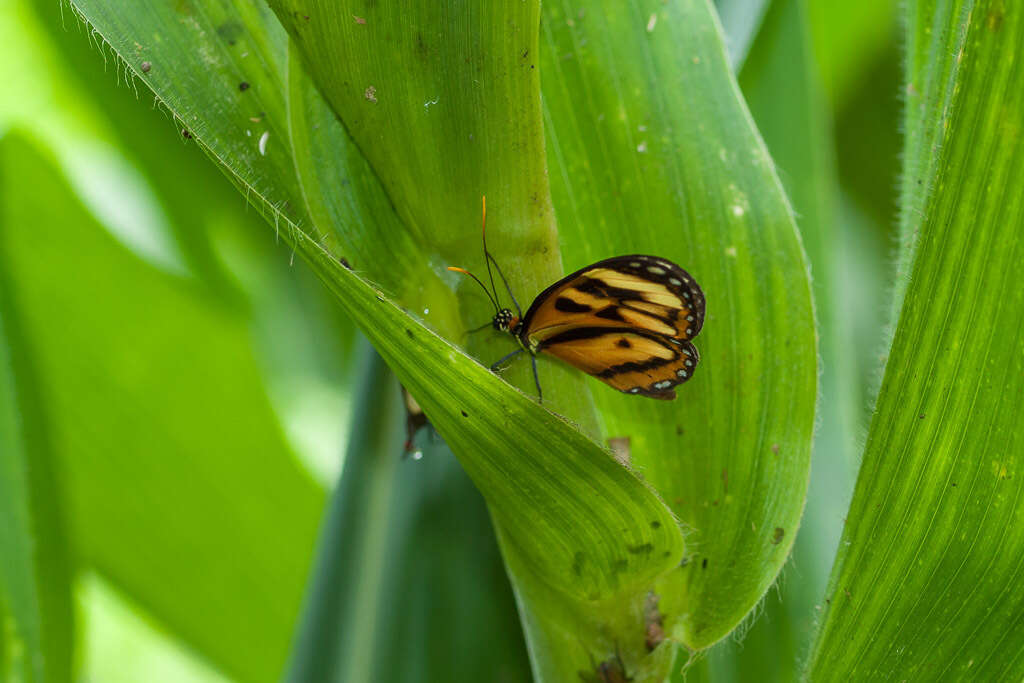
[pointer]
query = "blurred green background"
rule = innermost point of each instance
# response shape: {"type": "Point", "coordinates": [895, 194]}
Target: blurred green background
{"type": "Point", "coordinates": [158, 242]}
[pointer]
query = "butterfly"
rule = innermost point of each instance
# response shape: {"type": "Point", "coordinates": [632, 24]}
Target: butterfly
{"type": "Point", "coordinates": [626, 320]}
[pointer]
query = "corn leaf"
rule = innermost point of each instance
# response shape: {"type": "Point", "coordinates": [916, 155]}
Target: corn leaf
{"type": "Point", "coordinates": [653, 151]}
{"type": "Point", "coordinates": [35, 563]}
{"type": "Point", "coordinates": [927, 581]}
{"type": "Point", "coordinates": [165, 489]}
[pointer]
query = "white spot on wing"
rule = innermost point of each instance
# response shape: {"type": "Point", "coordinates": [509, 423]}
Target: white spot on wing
{"type": "Point", "coordinates": [656, 270]}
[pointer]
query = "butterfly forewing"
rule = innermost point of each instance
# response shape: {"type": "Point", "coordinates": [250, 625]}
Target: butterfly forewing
{"type": "Point", "coordinates": [626, 320]}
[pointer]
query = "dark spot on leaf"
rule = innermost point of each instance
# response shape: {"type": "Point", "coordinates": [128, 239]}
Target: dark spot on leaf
{"type": "Point", "coordinates": [619, 565]}
{"type": "Point", "coordinates": [704, 563]}
{"type": "Point", "coordinates": [243, 86]}
{"type": "Point", "coordinates": [994, 20]}
{"type": "Point", "coordinates": [185, 134]}
{"type": "Point", "coordinates": [345, 263]}
{"type": "Point", "coordinates": [643, 549]}
{"type": "Point", "coordinates": [679, 430]}
{"type": "Point", "coordinates": [464, 413]}
{"type": "Point", "coordinates": [777, 536]}
{"type": "Point", "coordinates": [577, 563]}
{"type": "Point", "coordinates": [409, 333]}
{"type": "Point", "coordinates": [146, 66]}
{"type": "Point", "coordinates": [921, 416]}
{"type": "Point", "coordinates": [611, 670]}
{"type": "Point", "coordinates": [655, 524]}
{"type": "Point", "coordinates": [230, 31]}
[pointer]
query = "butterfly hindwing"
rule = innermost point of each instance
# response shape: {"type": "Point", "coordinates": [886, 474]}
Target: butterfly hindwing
{"type": "Point", "coordinates": [631, 361]}
{"type": "Point", "coordinates": [626, 320]}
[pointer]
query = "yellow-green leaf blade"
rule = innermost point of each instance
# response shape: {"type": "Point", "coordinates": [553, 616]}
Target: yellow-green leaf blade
{"type": "Point", "coordinates": [35, 569]}
{"type": "Point", "coordinates": [653, 151]}
{"type": "Point", "coordinates": [928, 580]}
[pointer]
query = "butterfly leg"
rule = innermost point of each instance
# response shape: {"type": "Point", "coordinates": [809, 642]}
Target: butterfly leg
{"type": "Point", "coordinates": [533, 361]}
{"type": "Point", "coordinates": [497, 365]}
{"type": "Point", "coordinates": [536, 379]}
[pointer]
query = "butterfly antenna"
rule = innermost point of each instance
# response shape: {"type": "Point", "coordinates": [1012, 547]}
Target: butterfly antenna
{"type": "Point", "coordinates": [482, 285]}
{"type": "Point", "coordinates": [519, 311]}
{"type": "Point", "coordinates": [488, 259]}
{"type": "Point", "coordinates": [487, 255]}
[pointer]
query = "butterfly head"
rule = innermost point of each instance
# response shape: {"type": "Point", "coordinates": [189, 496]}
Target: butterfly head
{"type": "Point", "coordinates": [506, 321]}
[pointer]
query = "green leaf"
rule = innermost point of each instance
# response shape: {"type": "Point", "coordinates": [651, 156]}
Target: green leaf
{"type": "Point", "coordinates": [781, 85]}
{"type": "Point", "coordinates": [347, 203]}
{"type": "Point", "coordinates": [35, 570]}
{"type": "Point", "coordinates": [464, 78]}
{"type": "Point", "coordinates": [652, 151]}
{"type": "Point", "coordinates": [927, 582]}
{"type": "Point", "coordinates": [406, 555]}
{"type": "Point", "coordinates": [221, 68]}
{"type": "Point", "coordinates": [780, 82]}
{"type": "Point", "coordinates": [169, 452]}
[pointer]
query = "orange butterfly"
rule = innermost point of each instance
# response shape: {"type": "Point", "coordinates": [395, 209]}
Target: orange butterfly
{"type": "Point", "coordinates": [626, 320]}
